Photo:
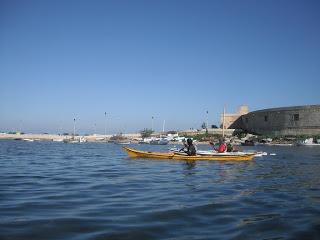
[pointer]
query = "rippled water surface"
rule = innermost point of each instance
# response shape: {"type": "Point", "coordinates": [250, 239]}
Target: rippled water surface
{"type": "Point", "coordinates": [54, 190]}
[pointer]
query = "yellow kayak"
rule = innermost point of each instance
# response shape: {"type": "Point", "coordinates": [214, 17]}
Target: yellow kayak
{"type": "Point", "coordinates": [217, 157]}
{"type": "Point", "coordinates": [182, 156]}
{"type": "Point", "coordinates": [143, 154]}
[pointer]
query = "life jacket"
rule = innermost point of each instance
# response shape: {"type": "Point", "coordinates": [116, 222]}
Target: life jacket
{"type": "Point", "coordinates": [229, 148]}
{"type": "Point", "coordinates": [222, 148]}
{"type": "Point", "coordinates": [191, 150]}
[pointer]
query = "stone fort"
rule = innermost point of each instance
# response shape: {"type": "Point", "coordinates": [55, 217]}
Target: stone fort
{"type": "Point", "coordinates": [289, 121]}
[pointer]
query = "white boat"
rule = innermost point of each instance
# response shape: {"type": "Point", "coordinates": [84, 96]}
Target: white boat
{"type": "Point", "coordinates": [70, 140]}
{"type": "Point", "coordinates": [28, 140]}
{"type": "Point", "coordinates": [161, 141]}
{"type": "Point", "coordinates": [145, 141]}
{"type": "Point", "coordinates": [308, 142]}
{"type": "Point", "coordinates": [122, 142]}
{"type": "Point", "coordinates": [58, 140]}
{"type": "Point", "coordinates": [75, 140]}
{"type": "Point", "coordinates": [179, 139]}
{"type": "Point", "coordinates": [100, 139]}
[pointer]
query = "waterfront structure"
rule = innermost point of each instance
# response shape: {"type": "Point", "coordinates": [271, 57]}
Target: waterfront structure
{"type": "Point", "coordinates": [215, 131]}
{"type": "Point", "coordinates": [229, 120]}
{"type": "Point", "coordinates": [285, 121]}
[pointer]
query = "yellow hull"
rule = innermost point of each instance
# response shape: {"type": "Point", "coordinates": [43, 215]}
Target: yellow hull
{"type": "Point", "coordinates": [143, 154]}
{"type": "Point", "coordinates": [180, 156]}
{"type": "Point", "coordinates": [244, 157]}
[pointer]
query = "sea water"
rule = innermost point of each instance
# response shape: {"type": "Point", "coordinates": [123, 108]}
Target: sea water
{"type": "Point", "coordinates": [52, 190]}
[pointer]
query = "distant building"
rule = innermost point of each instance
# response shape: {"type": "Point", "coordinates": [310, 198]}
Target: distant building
{"type": "Point", "coordinates": [230, 119]}
{"type": "Point", "coordinates": [299, 120]}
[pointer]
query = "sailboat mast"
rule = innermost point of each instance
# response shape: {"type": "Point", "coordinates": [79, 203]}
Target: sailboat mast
{"type": "Point", "coordinates": [164, 123]}
{"type": "Point", "coordinates": [223, 120]}
{"type": "Point", "coordinates": [74, 128]}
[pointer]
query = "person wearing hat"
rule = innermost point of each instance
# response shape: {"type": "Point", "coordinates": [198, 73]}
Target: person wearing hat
{"type": "Point", "coordinates": [190, 149]}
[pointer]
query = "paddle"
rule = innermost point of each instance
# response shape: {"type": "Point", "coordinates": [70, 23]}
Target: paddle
{"type": "Point", "coordinates": [185, 146]}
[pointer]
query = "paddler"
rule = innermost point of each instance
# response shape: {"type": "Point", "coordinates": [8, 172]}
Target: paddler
{"type": "Point", "coordinates": [191, 150]}
{"type": "Point", "coordinates": [222, 146]}
{"type": "Point", "coordinates": [231, 147]}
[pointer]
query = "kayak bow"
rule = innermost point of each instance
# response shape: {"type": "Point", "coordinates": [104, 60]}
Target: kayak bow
{"type": "Point", "coordinates": [144, 154]}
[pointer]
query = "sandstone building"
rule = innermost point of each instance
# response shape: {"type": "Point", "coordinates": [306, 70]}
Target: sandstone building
{"type": "Point", "coordinates": [230, 119]}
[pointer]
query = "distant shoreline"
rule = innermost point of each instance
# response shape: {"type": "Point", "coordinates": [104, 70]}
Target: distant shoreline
{"type": "Point", "coordinates": [89, 138]}
{"type": "Point", "coordinates": [50, 137]}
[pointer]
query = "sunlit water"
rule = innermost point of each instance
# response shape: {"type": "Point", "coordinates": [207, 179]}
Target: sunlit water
{"type": "Point", "coordinates": [52, 190]}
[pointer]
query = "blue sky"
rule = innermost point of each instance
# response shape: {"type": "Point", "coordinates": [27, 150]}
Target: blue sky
{"type": "Point", "coordinates": [173, 60]}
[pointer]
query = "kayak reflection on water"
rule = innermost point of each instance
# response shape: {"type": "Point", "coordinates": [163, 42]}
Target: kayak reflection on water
{"type": "Point", "coordinates": [190, 165]}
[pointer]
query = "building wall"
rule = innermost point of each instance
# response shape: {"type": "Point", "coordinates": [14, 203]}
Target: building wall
{"type": "Point", "coordinates": [217, 131]}
{"type": "Point", "coordinates": [231, 118]}
{"type": "Point", "coordinates": [300, 120]}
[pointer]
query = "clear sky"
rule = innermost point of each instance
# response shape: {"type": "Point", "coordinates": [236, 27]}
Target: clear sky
{"type": "Point", "coordinates": [173, 60]}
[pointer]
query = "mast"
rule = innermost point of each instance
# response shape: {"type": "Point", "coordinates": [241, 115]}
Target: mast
{"type": "Point", "coordinates": [74, 128]}
{"type": "Point", "coordinates": [164, 122]}
{"type": "Point", "coordinates": [207, 124]}
{"type": "Point", "coordinates": [105, 125]}
{"type": "Point", "coordinates": [223, 120]}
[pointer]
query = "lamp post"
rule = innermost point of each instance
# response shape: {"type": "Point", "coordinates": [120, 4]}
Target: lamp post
{"type": "Point", "coordinates": [207, 121]}
{"type": "Point", "coordinates": [152, 123]}
{"type": "Point", "coordinates": [105, 125]}
{"type": "Point", "coordinates": [74, 128]}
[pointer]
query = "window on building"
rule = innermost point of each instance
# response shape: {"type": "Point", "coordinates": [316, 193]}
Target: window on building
{"type": "Point", "coordinates": [247, 120]}
{"type": "Point", "coordinates": [266, 118]}
{"type": "Point", "coordinates": [296, 117]}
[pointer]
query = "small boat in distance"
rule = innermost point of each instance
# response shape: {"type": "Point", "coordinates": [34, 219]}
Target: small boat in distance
{"type": "Point", "coordinates": [70, 140]}
{"type": "Point", "coordinates": [28, 140]}
{"type": "Point", "coordinates": [122, 142]}
{"type": "Point", "coordinates": [248, 143]}
{"type": "Point", "coordinates": [57, 140]}
{"type": "Point", "coordinates": [161, 141]}
{"type": "Point", "coordinates": [75, 140]}
{"type": "Point", "coordinates": [308, 142]}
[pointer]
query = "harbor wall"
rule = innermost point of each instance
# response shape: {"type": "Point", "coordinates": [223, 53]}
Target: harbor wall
{"type": "Point", "coordinates": [299, 120]}
{"type": "Point", "coordinates": [215, 131]}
